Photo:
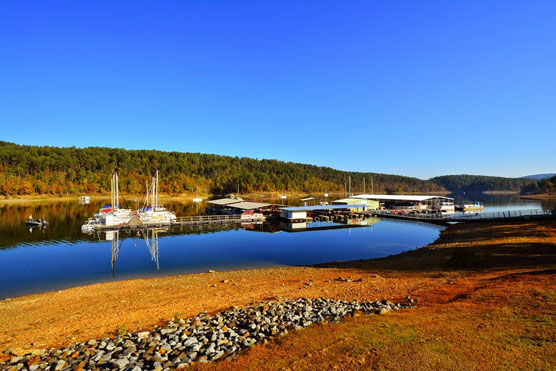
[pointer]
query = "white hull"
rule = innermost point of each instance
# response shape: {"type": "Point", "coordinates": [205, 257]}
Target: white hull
{"type": "Point", "coordinates": [157, 217]}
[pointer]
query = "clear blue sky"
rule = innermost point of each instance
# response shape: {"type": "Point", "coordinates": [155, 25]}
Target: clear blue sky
{"type": "Point", "coordinates": [418, 88]}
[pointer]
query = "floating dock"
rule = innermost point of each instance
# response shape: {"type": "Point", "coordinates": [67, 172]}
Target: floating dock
{"type": "Point", "coordinates": [185, 221]}
{"type": "Point", "coordinates": [450, 218]}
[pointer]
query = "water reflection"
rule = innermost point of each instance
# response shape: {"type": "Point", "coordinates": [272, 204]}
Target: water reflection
{"type": "Point", "coordinates": [61, 256]}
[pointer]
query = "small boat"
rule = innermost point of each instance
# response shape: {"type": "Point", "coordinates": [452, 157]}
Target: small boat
{"type": "Point", "coordinates": [36, 223]}
{"type": "Point", "coordinates": [470, 207]}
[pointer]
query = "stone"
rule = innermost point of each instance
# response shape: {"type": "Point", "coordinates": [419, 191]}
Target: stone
{"type": "Point", "coordinates": [60, 365]}
{"type": "Point", "coordinates": [120, 363]}
{"type": "Point", "coordinates": [217, 355]}
{"type": "Point", "coordinates": [143, 334]}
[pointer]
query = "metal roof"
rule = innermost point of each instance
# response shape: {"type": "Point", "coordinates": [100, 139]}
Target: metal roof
{"type": "Point", "coordinates": [224, 201]}
{"type": "Point", "coordinates": [399, 197]}
{"type": "Point", "coordinates": [247, 205]}
{"type": "Point", "coordinates": [349, 200]}
{"type": "Point", "coordinates": [323, 207]}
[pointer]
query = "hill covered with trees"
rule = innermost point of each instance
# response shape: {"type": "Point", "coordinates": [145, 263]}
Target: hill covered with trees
{"type": "Point", "coordinates": [548, 186]}
{"type": "Point", "coordinates": [481, 183]}
{"type": "Point", "coordinates": [27, 170]}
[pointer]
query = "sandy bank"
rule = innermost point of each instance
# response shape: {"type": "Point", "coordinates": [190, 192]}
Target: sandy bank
{"type": "Point", "coordinates": [444, 275]}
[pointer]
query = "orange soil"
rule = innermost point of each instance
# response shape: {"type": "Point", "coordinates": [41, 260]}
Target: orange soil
{"type": "Point", "coordinates": [487, 300]}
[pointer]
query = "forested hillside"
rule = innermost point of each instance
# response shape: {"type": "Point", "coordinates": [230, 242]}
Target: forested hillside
{"type": "Point", "coordinates": [548, 186]}
{"type": "Point", "coordinates": [28, 170]}
{"type": "Point", "coordinates": [480, 183]}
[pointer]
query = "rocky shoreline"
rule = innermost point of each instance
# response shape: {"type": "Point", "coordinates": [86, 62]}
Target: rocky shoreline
{"type": "Point", "coordinates": [202, 338]}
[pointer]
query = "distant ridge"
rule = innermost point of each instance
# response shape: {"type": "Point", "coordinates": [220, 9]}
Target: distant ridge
{"type": "Point", "coordinates": [539, 176]}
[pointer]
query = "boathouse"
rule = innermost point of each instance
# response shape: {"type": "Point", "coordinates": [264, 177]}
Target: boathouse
{"type": "Point", "coordinates": [249, 206]}
{"type": "Point", "coordinates": [300, 212]}
{"type": "Point", "coordinates": [371, 204]}
{"type": "Point", "coordinates": [423, 203]}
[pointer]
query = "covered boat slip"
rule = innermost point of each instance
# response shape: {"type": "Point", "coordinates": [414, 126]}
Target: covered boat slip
{"type": "Point", "coordinates": [300, 212]}
{"type": "Point", "coordinates": [424, 203]}
{"type": "Point", "coordinates": [236, 206]}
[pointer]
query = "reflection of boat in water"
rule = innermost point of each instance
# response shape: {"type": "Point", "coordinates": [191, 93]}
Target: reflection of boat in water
{"type": "Point", "coordinates": [155, 213]}
{"type": "Point", "coordinates": [114, 236]}
{"type": "Point", "coordinates": [325, 225]}
{"type": "Point", "coordinates": [36, 223]}
{"type": "Point", "coordinates": [151, 240]}
{"type": "Point", "coordinates": [152, 244]}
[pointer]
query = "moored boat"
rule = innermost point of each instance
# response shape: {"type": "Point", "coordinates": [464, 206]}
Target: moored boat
{"type": "Point", "coordinates": [154, 213]}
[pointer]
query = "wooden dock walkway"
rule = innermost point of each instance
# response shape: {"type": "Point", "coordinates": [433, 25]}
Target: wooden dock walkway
{"type": "Point", "coordinates": [184, 221]}
{"type": "Point", "coordinates": [480, 216]}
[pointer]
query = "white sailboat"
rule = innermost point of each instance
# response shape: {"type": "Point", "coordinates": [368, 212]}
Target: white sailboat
{"type": "Point", "coordinates": [112, 214]}
{"type": "Point", "coordinates": [109, 215]}
{"type": "Point", "coordinates": [155, 213]}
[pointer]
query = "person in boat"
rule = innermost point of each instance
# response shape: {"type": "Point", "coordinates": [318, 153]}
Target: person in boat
{"type": "Point", "coordinates": [43, 220]}
{"type": "Point", "coordinates": [30, 218]}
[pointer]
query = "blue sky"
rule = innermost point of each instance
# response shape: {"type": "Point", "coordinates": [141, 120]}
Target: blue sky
{"type": "Point", "coordinates": [419, 88]}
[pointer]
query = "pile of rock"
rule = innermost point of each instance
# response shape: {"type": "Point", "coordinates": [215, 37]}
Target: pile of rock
{"type": "Point", "coordinates": [199, 339]}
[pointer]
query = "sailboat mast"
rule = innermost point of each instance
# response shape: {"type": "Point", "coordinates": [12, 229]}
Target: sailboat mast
{"type": "Point", "coordinates": [117, 192]}
{"type": "Point", "coordinates": [152, 193]}
{"type": "Point", "coordinates": [157, 188]}
{"type": "Point", "coordinates": [147, 198]}
{"type": "Point", "coordinates": [112, 192]}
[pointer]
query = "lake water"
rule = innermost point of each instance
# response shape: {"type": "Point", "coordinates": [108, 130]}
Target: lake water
{"type": "Point", "coordinates": [60, 256]}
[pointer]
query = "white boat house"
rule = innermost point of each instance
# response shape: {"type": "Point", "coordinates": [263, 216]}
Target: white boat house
{"type": "Point", "coordinates": [422, 203]}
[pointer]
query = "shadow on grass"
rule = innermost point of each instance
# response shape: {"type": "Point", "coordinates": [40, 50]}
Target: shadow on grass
{"type": "Point", "coordinates": [474, 246]}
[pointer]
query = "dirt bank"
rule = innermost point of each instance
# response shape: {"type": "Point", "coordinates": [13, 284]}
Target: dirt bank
{"type": "Point", "coordinates": [487, 296]}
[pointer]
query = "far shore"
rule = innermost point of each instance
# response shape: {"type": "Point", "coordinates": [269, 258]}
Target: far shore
{"type": "Point", "coordinates": [475, 279]}
{"type": "Point", "coordinates": [174, 197]}
{"type": "Point", "coordinates": [541, 196]}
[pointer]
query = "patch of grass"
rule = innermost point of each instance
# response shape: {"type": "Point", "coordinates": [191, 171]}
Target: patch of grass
{"type": "Point", "coordinates": [468, 259]}
{"type": "Point", "coordinates": [178, 316]}
{"type": "Point", "coordinates": [122, 330]}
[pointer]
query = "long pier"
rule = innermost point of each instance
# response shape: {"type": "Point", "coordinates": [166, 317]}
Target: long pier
{"type": "Point", "coordinates": [458, 218]}
{"type": "Point", "coordinates": [184, 221]}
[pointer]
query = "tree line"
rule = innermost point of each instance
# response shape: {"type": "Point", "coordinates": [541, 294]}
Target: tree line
{"type": "Point", "coordinates": [28, 170]}
{"type": "Point", "coordinates": [548, 186]}
{"type": "Point", "coordinates": [481, 183]}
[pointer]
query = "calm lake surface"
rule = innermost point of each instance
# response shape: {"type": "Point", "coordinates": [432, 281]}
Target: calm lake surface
{"type": "Point", "coordinates": [60, 256]}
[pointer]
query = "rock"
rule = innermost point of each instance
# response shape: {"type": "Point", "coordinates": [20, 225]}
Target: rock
{"type": "Point", "coordinates": [197, 339]}
{"type": "Point", "coordinates": [120, 363]}
{"type": "Point", "coordinates": [166, 331]}
{"type": "Point", "coordinates": [60, 365]}
{"type": "Point", "coordinates": [217, 355]}
{"type": "Point", "coordinates": [143, 334]}
{"type": "Point", "coordinates": [38, 352]}
{"type": "Point", "coordinates": [382, 310]}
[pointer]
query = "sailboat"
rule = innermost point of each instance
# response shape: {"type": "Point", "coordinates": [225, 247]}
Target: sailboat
{"type": "Point", "coordinates": [110, 214]}
{"type": "Point", "coordinates": [155, 213]}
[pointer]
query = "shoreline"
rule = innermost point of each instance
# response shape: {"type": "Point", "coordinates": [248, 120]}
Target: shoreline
{"type": "Point", "coordinates": [541, 196]}
{"type": "Point", "coordinates": [443, 275]}
{"type": "Point", "coordinates": [179, 197]}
